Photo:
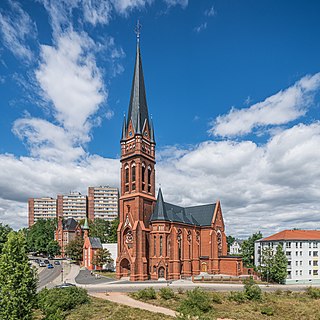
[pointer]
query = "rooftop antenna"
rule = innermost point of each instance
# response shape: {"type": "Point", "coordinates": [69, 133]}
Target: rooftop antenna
{"type": "Point", "coordinates": [137, 30]}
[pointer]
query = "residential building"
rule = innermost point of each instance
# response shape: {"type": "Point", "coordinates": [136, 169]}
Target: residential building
{"type": "Point", "coordinates": [302, 249]}
{"type": "Point", "coordinates": [72, 205]}
{"type": "Point", "coordinates": [103, 203]}
{"type": "Point", "coordinates": [235, 247]}
{"type": "Point", "coordinates": [157, 239]}
{"type": "Point", "coordinates": [67, 231]}
{"type": "Point", "coordinates": [112, 248]}
{"type": "Point", "coordinates": [41, 208]}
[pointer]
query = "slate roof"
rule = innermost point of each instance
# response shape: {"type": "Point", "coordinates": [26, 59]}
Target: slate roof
{"type": "Point", "coordinates": [294, 235]}
{"type": "Point", "coordinates": [196, 215]}
{"type": "Point", "coordinates": [138, 108]}
{"type": "Point", "coordinates": [69, 224]}
{"type": "Point", "coordinates": [95, 243]}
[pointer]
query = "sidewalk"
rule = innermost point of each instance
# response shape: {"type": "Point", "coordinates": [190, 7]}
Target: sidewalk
{"type": "Point", "coordinates": [70, 271]}
{"type": "Point", "coordinates": [122, 298]}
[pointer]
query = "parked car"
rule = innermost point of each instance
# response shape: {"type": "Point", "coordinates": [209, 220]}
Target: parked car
{"type": "Point", "coordinates": [50, 266]}
{"type": "Point", "coordinates": [46, 261]}
{"type": "Point", "coordinates": [57, 263]}
{"type": "Point", "coordinates": [65, 285]}
{"type": "Point", "coordinates": [37, 260]}
{"type": "Point", "coordinates": [42, 264]}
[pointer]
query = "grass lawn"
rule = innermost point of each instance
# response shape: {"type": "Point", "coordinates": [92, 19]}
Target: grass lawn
{"type": "Point", "coordinates": [107, 274]}
{"type": "Point", "coordinates": [284, 305]}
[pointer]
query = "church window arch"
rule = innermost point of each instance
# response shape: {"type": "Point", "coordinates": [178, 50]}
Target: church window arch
{"type": "Point", "coordinates": [161, 246]}
{"type": "Point", "coordinates": [154, 245]}
{"type": "Point", "coordinates": [219, 242]}
{"type": "Point", "coordinates": [179, 238]}
{"type": "Point", "coordinates": [149, 178]}
{"type": "Point", "coordinates": [126, 178]}
{"type": "Point", "coordinates": [128, 237]}
{"type": "Point", "coordinates": [133, 176]}
{"type": "Point", "coordinates": [143, 174]}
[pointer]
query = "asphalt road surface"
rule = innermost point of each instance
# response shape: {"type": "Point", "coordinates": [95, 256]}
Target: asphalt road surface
{"type": "Point", "coordinates": [47, 275]}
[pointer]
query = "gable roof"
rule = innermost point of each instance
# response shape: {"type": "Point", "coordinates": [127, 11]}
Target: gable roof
{"type": "Point", "coordinates": [201, 215]}
{"type": "Point", "coordinates": [69, 224]}
{"type": "Point", "coordinates": [95, 243]}
{"type": "Point", "coordinates": [294, 235]}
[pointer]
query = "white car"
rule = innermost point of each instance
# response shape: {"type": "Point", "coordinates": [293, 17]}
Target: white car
{"type": "Point", "coordinates": [42, 264]}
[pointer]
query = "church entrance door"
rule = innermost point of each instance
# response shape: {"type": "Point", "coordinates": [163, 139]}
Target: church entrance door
{"type": "Point", "coordinates": [125, 268]}
{"type": "Point", "coordinates": [161, 272]}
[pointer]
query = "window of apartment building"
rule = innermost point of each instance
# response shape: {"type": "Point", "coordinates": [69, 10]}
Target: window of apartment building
{"type": "Point", "coordinates": [296, 272]}
{"type": "Point", "coordinates": [315, 253]}
{"type": "Point", "coordinates": [310, 253]}
{"type": "Point", "coordinates": [310, 272]}
{"type": "Point", "coordinates": [310, 245]}
{"type": "Point", "coordinates": [297, 244]}
{"type": "Point", "coordinates": [310, 262]}
{"type": "Point", "coordinates": [289, 274]}
{"type": "Point", "coordinates": [288, 245]}
{"type": "Point", "coordinates": [297, 252]}
{"type": "Point", "coordinates": [300, 263]}
{"type": "Point", "coordinates": [315, 272]}
{"type": "Point", "coordinates": [300, 245]}
{"type": "Point", "coordinates": [297, 262]}
{"type": "Point", "coordinates": [288, 253]}
{"type": "Point", "coordinates": [300, 253]}
{"type": "Point", "coordinates": [300, 272]}
{"type": "Point", "coordinates": [315, 263]}
{"type": "Point", "coordinates": [315, 245]}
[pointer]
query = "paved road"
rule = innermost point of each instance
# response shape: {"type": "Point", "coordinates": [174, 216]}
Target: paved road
{"type": "Point", "coordinates": [47, 275]}
{"type": "Point", "coordinates": [85, 277]}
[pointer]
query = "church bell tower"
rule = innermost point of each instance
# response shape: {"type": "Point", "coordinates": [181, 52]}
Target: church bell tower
{"type": "Point", "coordinates": [137, 197]}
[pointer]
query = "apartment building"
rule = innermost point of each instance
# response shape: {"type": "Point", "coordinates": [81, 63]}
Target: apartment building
{"type": "Point", "coordinates": [103, 202]}
{"type": "Point", "coordinates": [302, 248]}
{"type": "Point", "coordinates": [41, 208]}
{"type": "Point", "coordinates": [72, 205]}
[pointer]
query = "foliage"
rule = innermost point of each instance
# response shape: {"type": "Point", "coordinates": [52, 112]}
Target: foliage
{"type": "Point", "coordinates": [112, 237]}
{"type": "Point", "coordinates": [103, 229]}
{"type": "Point", "coordinates": [74, 249]}
{"type": "Point", "coordinates": [274, 266]}
{"type": "Point", "coordinates": [40, 235]}
{"type": "Point", "coordinates": [18, 281]}
{"type": "Point", "coordinates": [196, 304]}
{"type": "Point", "coordinates": [4, 231]}
{"type": "Point", "coordinates": [101, 257]}
{"type": "Point", "coordinates": [54, 303]}
{"type": "Point", "coordinates": [267, 310]}
{"type": "Point", "coordinates": [180, 290]}
{"type": "Point", "coordinates": [166, 293]}
{"type": "Point", "coordinates": [313, 293]}
{"type": "Point", "coordinates": [216, 297]}
{"type": "Point", "coordinates": [251, 290]}
{"type": "Point", "coordinates": [279, 267]}
{"type": "Point", "coordinates": [248, 249]}
{"type": "Point", "coordinates": [230, 240]}
{"type": "Point", "coordinates": [146, 294]}
{"type": "Point", "coordinates": [53, 248]}
{"type": "Point", "coordinates": [236, 296]}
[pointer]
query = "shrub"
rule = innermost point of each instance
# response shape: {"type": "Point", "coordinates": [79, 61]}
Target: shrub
{"type": "Point", "coordinates": [313, 293]}
{"type": "Point", "coordinates": [216, 297]}
{"type": "Point", "coordinates": [251, 290]}
{"type": "Point", "coordinates": [180, 291]}
{"type": "Point", "coordinates": [267, 310]}
{"type": "Point", "coordinates": [55, 302]}
{"type": "Point", "coordinates": [146, 294]}
{"type": "Point", "coordinates": [166, 293]}
{"type": "Point", "coordinates": [195, 304]}
{"type": "Point", "coordinates": [238, 297]}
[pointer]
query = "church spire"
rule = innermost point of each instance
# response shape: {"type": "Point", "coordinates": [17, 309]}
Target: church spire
{"type": "Point", "coordinates": [138, 109]}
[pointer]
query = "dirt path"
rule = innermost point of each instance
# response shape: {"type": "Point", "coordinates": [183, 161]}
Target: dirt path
{"type": "Point", "coordinates": [122, 298]}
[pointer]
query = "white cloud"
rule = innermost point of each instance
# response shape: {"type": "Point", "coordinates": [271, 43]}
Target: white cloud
{"type": "Point", "coordinates": [201, 27]}
{"type": "Point", "coordinates": [125, 6]}
{"type": "Point", "coordinates": [210, 12]}
{"type": "Point", "coordinates": [97, 11]}
{"type": "Point", "coordinates": [15, 28]}
{"type": "Point", "coordinates": [172, 3]}
{"type": "Point", "coordinates": [262, 187]}
{"type": "Point", "coordinates": [281, 108]}
{"type": "Point", "coordinates": [70, 79]}
{"type": "Point", "coordinates": [21, 178]}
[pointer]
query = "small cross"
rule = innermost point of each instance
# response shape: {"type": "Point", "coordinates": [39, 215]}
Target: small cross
{"type": "Point", "coordinates": [138, 30]}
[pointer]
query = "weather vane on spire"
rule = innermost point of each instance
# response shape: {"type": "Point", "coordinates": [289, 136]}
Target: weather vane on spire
{"type": "Point", "coordinates": [138, 30]}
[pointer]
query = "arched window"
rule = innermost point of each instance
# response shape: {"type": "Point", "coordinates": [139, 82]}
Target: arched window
{"type": "Point", "coordinates": [154, 246]}
{"type": "Point", "coordinates": [126, 179]}
{"type": "Point", "coordinates": [133, 176]}
{"type": "Point", "coordinates": [160, 245]}
{"type": "Point", "coordinates": [143, 172]}
{"type": "Point", "coordinates": [149, 179]}
{"type": "Point", "coordinates": [179, 238]}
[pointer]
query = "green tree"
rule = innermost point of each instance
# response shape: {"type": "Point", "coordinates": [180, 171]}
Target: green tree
{"type": "Point", "coordinates": [266, 263]}
{"type": "Point", "coordinates": [40, 234]}
{"type": "Point", "coordinates": [99, 228]}
{"type": "Point", "coordinates": [230, 240]}
{"type": "Point", "coordinates": [4, 231]}
{"type": "Point", "coordinates": [279, 266]}
{"type": "Point", "coordinates": [248, 249]}
{"type": "Point", "coordinates": [74, 249]}
{"type": "Point", "coordinates": [112, 237]}
{"type": "Point", "coordinates": [101, 257]}
{"type": "Point", "coordinates": [53, 248]}
{"type": "Point", "coordinates": [18, 281]}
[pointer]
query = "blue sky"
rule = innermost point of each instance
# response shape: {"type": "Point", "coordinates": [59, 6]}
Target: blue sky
{"type": "Point", "coordinates": [233, 88]}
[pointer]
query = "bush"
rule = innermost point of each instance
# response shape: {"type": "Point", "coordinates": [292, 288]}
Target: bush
{"type": "Point", "coordinates": [251, 290]}
{"type": "Point", "coordinates": [195, 304]}
{"type": "Point", "coordinates": [146, 294]}
{"type": "Point", "coordinates": [55, 302]}
{"type": "Point", "coordinates": [238, 297]}
{"type": "Point", "coordinates": [180, 290]}
{"type": "Point", "coordinates": [267, 310]}
{"type": "Point", "coordinates": [216, 297]}
{"type": "Point", "coordinates": [166, 293]}
{"type": "Point", "coordinates": [313, 293]}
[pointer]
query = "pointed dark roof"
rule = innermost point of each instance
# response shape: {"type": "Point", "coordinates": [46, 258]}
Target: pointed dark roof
{"type": "Point", "coordinates": [95, 243]}
{"type": "Point", "coordinates": [138, 109]}
{"type": "Point", "coordinates": [124, 128]}
{"type": "Point", "coordinates": [201, 215]}
{"type": "Point", "coordinates": [69, 224]}
{"type": "Point", "coordinates": [159, 212]}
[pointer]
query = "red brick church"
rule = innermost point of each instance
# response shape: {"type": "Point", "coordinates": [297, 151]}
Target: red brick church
{"type": "Point", "coordinates": [157, 239]}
